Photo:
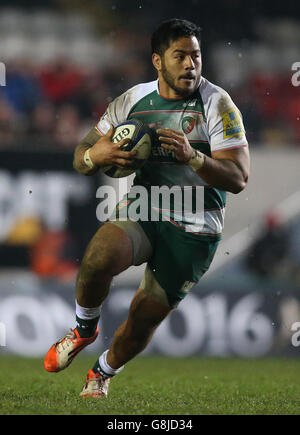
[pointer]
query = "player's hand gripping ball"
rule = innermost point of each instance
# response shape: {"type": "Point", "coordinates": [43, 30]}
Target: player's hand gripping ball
{"type": "Point", "coordinates": [140, 136]}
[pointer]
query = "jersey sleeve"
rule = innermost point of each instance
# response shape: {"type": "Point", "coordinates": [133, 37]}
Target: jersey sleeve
{"type": "Point", "coordinates": [116, 112]}
{"type": "Point", "coordinates": [225, 126]}
{"type": "Point", "coordinates": [119, 109]}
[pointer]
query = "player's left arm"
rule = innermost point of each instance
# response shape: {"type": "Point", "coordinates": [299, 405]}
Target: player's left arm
{"type": "Point", "coordinates": [229, 164]}
{"type": "Point", "coordinates": [226, 169]}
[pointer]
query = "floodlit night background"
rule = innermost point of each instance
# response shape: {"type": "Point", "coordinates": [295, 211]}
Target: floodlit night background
{"type": "Point", "coordinates": [64, 62]}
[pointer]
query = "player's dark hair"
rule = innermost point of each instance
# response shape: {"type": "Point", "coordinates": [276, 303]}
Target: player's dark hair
{"type": "Point", "coordinates": [171, 30]}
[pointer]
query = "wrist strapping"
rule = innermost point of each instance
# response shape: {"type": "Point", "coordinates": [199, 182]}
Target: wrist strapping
{"type": "Point", "coordinates": [87, 159]}
{"type": "Point", "coordinates": [197, 160]}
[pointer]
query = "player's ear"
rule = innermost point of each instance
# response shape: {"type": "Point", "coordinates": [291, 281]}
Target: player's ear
{"type": "Point", "coordinates": [156, 60]}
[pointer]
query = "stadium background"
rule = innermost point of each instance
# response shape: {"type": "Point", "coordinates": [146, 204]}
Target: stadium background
{"type": "Point", "coordinates": [65, 61]}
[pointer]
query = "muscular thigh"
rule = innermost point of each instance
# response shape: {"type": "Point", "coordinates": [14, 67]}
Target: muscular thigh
{"type": "Point", "coordinates": [110, 249]}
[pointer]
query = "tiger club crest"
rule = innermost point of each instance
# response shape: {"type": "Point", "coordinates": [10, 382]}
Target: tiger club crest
{"type": "Point", "coordinates": [187, 124]}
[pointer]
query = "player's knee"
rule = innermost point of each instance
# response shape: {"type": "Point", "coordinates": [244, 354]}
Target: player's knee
{"type": "Point", "coordinates": [95, 265]}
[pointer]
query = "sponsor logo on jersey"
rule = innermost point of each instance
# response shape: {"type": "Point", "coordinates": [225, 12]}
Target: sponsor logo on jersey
{"type": "Point", "coordinates": [187, 124]}
{"type": "Point", "coordinates": [232, 123]}
{"type": "Point", "coordinates": [161, 152]}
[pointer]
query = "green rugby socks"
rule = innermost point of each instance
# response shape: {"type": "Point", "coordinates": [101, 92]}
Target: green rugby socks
{"type": "Point", "coordinates": [87, 320]}
{"type": "Point", "coordinates": [101, 366]}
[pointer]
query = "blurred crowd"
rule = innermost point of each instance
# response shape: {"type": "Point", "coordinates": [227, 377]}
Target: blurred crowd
{"type": "Point", "coordinates": [54, 105]}
{"type": "Point", "coordinates": [57, 86]}
{"type": "Point", "coordinates": [275, 252]}
{"type": "Point", "coordinates": [270, 106]}
{"type": "Point", "coordinates": [61, 75]}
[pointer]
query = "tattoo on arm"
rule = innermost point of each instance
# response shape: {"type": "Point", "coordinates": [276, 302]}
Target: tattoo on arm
{"type": "Point", "coordinates": [78, 163]}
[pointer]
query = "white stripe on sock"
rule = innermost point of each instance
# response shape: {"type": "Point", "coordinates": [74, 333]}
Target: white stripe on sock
{"type": "Point", "coordinates": [107, 368]}
{"type": "Point", "coordinates": [87, 313]}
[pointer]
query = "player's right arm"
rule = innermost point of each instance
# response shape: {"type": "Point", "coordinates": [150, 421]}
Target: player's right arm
{"type": "Point", "coordinates": [102, 152]}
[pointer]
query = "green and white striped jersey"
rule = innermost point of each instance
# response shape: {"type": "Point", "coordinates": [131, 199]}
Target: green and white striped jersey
{"type": "Point", "coordinates": [211, 122]}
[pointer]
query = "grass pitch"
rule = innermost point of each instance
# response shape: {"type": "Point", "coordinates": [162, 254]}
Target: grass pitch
{"type": "Point", "coordinates": [154, 386]}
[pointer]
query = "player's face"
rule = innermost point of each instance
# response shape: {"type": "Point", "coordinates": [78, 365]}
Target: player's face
{"type": "Point", "coordinates": [181, 67]}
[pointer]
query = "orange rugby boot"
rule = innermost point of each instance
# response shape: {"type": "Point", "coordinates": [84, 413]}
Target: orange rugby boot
{"type": "Point", "coordinates": [62, 353]}
{"type": "Point", "coordinates": [95, 386]}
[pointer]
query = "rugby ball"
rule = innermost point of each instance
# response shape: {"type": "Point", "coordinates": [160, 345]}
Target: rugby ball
{"type": "Point", "coordinates": [140, 136]}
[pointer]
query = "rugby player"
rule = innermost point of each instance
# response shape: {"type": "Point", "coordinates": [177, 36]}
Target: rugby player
{"type": "Point", "coordinates": [200, 142]}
